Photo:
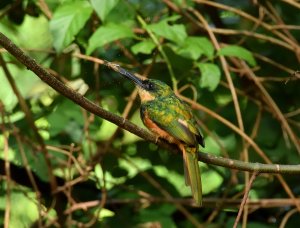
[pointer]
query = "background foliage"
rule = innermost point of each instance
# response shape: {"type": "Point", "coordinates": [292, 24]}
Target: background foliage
{"type": "Point", "coordinates": [235, 60]}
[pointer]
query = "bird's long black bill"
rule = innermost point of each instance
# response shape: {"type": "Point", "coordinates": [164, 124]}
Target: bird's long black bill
{"type": "Point", "coordinates": [125, 73]}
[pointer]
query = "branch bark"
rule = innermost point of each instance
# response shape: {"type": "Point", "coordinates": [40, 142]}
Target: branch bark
{"type": "Point", "coordinates": [77, 98]}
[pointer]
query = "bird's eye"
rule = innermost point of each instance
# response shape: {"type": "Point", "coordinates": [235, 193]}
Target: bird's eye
{"type": "Point", "coordinates": [149, 85]}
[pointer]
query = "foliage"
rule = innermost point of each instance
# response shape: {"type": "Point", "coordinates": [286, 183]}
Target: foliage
{"type": "Point", "coordinates": [207, 51]}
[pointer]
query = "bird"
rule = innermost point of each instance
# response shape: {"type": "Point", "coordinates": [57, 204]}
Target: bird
{"type": "Point", "coordinates": [171, 119]}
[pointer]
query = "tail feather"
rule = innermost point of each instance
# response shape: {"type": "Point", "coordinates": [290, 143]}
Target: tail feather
{"type": "Point", "coordinates": [192, 173]}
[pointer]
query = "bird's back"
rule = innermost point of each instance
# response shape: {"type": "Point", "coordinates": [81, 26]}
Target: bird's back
{"type": "Point", "coordinates": [175, 117]}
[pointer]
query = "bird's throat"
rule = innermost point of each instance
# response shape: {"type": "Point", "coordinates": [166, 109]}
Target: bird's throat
{"type": "Point", "coordinates": [145, 95]}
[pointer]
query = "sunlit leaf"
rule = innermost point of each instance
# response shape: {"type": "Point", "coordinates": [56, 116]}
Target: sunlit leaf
{"type": "Point", "coordinates": [66, 118]}
{"type": "Point", "coordinates": [211, 181]}
{"type": "Point", "coordinates": [25, 81]}
{"type": "Point", "coordinates": [105, 213]}
{"type": "Point", "coordinates": [108, 33]}
{"type": "Point", "coordinates": [141, 163]}
{"type": "Point", "coordinates": [107, 128]}
{"type": "Point", "coordinates": [175, 32]}
{"type": "Point", "coordinates": [239, 52]}
{"type": "Point", "coordinates": [176, 179]}
{"type": "Point", "coordinates": [128, 137]}
{"type": "Point", "coordinates": [211, 146]}
{"type": "Point", "coordinates": [195, 47]}
{"type": "Point", "coordinates": [144, 47]}
{"type": "Point", "coordinates": [35, 38]}
{"type": "Point", "coordinates": [67, 21]}
{"type": "Point", "coordinates": [210, 75]}
{"type": "Point", "coordinates": [103, 7]}
{"type": "Point", "coordinates": [18, 202]}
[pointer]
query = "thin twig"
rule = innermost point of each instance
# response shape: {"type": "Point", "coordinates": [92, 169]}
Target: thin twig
{"type": "Point", "coordinates": [30, 175]}
{"type": "Point", "coordinates": [225, 68]}
{"type": "Point", "coordinates": [166, 194]}
{"type": "Point", "coordinates": [273, 106]}
{"type": "Point", "coordinates": [248, 187]}
{"type": "Point", "coordinates": [207, 202]}
{"type": "Point", "coordinates": [248, 166]}
{"type": "Point", "coordinates": [8, 202]}
{"type": "Point", "coordinates": [30, 121]}
{"type": "Point", "coordinates": [286, 217]}
{"type": "Point", "coordinates": [250, 18]}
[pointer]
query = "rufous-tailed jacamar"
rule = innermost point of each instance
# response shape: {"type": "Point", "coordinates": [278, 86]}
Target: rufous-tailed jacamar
{"type": "Point", "coordinates": [170, 118]}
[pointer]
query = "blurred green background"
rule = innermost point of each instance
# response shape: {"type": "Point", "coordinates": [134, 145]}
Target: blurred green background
{"type": "Point", "coordinates": [107, 176]}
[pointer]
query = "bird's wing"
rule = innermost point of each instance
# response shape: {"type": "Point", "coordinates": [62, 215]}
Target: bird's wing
{"type": "Point", "coordinates": [176, 122]}
{"type": "Point", "coordinates": [179, 129]}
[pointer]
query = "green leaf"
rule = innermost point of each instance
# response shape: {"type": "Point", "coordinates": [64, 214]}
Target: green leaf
{"type": "Point", "coordinates": [104, 213]}
{"type": "Point", "coordinates": [239, 52]}
{"type": "Point", "coordinates": [66, 118]}
{"type": "Point", "coordinates": [223, 99]}
{"type": "Point", "coordinates": [123, 13]}
{"type": "Point", "coordinates": [128, 137]}
{"type": "Point", "coordinates": [28, 38]}
{"type": "Point", "coordinates": [107, 128]}
{"type": "Point", "coordinates": [41, 36]}
{"type": "Point", "coordinates": [205, 45]}
{"type": "Point", "coordinates": [103, 7]}
{"type": "Point", "coordinates": [67, 21]}
{"type": "Point", "coordinates": [25, 81]}
{"type": "Point", "coordinates": [212, 179]}
{"type": "Point", "coordinates": [194, 47]}
{"type": "Point", "coordinates": [161, 214]}
{"type": "Point", "coordinates": [175, 33]}
{"type": "Point", "coordinates": [211, 145]}
{"type": "Point", "coordinates": [175, 178]}
{"type": "Point", "coordinates": [210, 75]}
{"type": "Point", "coordinates": [8, 98]}
{"type": "Point", "coordinates": [19, 201]}
{"type": "Point", "coordinates": [144, 47]}
{"type": "Point", "coordinates": [24, 36]}
{"type": "Point", "coordinates": [108, 33]}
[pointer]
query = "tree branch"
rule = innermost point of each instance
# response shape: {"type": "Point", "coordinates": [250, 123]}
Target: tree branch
{"type": "Point", "coordinates": [125, 124]}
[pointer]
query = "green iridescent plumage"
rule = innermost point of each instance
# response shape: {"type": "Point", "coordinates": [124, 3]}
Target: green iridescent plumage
{"type": "Point", "coordinates": [172, 115]}
{"type": "Point", "coordinates": [175, 117]}
{"type": "Point", "coordinates": [170, 118]}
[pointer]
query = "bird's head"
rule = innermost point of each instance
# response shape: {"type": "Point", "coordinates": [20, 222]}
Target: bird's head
{"type": "Point", "coordinates": [148, 89]}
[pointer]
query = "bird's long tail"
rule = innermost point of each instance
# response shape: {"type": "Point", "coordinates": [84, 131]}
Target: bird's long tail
{"type": "Point", "coordinates": [192, 172]}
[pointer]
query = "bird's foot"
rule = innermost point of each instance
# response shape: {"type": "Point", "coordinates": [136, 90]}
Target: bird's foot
{"type": "Point", "coordinates": [156, 139]}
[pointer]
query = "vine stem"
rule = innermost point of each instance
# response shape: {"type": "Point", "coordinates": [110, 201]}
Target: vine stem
{"type": "Point", "coordinates": [161, 50]}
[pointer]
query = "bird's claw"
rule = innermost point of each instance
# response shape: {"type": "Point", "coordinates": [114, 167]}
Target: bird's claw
{"type": "Point", "coordinates": [156, 139]}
